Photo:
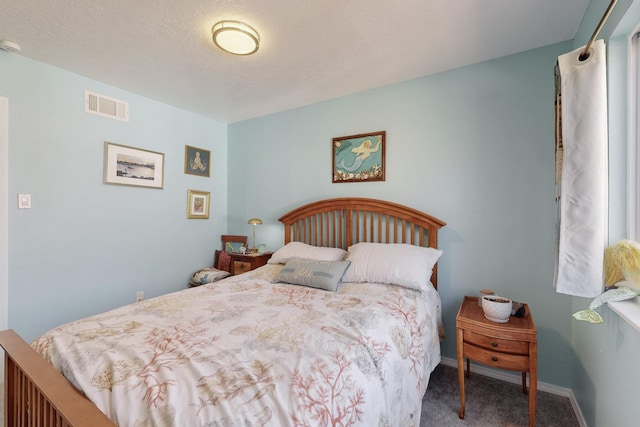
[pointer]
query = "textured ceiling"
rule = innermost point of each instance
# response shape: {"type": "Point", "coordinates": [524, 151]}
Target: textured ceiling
{"type": "Point", "coordinates": [311, 50]}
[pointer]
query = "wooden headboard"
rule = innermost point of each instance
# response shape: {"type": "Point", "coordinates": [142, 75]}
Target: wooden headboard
{"type": "Point", "coordinates": [342, 222]}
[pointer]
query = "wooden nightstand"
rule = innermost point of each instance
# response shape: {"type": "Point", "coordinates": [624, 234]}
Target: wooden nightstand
{"type": "Point", "coordinates": [242, 263]}
{"type": "Point", "coordinates": [511, 345]}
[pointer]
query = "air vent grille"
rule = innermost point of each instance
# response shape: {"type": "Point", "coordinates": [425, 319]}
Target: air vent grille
{"type": "Point", "coordinates": [105, 106]}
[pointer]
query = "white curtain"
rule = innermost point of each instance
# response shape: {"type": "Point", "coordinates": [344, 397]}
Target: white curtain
{"type": "Point", "coordinates": [582, 179]}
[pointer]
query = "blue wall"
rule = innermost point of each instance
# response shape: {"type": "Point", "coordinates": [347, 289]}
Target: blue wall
{"type": "Point", "coordinates": [473, 147]}
{"type": "Point", "coordinates": [85, 247]}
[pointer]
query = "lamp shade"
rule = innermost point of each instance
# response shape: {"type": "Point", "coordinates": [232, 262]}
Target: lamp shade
{"type": "Point", "coordinates": [235, 37]}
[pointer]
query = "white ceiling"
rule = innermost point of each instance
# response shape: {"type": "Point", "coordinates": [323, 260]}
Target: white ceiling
{"type": "Point", "coordinates": [310, 51]}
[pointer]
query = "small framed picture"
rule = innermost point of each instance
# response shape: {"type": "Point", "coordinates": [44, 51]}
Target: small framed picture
{"type": "Point", "coordinates": [359, 158]}
{"type": "Point", "coordinates": [198, 204]}
{"type": "Point", "coordinates": [234, 247]}
{"type": "Point", "coordinates": [133, 166]}
{"type": "Point", "coordinates": [197, 161]}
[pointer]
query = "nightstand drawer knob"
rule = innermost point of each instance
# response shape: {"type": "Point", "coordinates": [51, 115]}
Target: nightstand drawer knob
{"type": "Point", "coordinates": [494, 344]}
{"type": "Point", "coordinates": [495, 359]}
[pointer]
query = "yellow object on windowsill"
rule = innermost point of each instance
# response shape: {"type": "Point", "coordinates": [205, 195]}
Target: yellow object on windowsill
{"type": "Point", "coordinates": [621, 277]}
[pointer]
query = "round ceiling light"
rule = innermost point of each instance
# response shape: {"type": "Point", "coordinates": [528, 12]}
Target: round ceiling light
{"type": "Point", "coordinates": [10, 46]}
{"type": "Point", "coordinates": [235, 37]}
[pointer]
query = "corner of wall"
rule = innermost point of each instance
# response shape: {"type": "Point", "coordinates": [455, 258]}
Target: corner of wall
{"type": "Point", "coordinates": [4, 217]}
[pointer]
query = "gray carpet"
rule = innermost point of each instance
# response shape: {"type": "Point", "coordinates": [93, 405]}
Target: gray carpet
{"type": "Point", "coordinates": [489, 402]}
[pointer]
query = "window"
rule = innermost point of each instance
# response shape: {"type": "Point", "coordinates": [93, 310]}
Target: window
{"type": "Point", "coordinates": [633, 147]}
{"type": "Point", "coordinates": [630, 310]}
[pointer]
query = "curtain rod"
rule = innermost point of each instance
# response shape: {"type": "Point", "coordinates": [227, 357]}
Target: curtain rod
{"type": "Point", "coordinates": [585, 53]}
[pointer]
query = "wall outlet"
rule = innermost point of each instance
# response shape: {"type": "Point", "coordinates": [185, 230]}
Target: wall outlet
{"type": "Point", "coordinates": [24, 201]}
{"type": "Point", "coordinates": [139, 296]}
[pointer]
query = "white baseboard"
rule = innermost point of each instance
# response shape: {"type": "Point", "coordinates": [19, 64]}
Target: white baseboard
{"type": "Point", "coordinates": [517, 379]}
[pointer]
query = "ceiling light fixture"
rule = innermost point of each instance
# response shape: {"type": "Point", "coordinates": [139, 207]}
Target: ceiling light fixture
{"type": "Point", "coordinates": [235, 37]}
{"type": "Point", "coordinates": [10, 46]}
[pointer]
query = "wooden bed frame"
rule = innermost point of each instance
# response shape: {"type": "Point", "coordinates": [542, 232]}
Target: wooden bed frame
{"type": "Point", "coordinates": [38, 395]}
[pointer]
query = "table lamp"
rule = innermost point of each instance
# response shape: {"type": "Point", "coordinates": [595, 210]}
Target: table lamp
{"type": "Point", "coordinates": [254, 222]}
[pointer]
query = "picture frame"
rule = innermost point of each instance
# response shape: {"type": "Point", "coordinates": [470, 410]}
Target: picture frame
{"type": "Point", "coordinates": [234, 247]}
{"type": "Point", "coordinates": [197, 161]}
{"type": "Point", "coordinates": [198, 204]}
{"type": "Point", "coordinates": [359, 158]}
{"type": "Point", "coordinates": [132, 166]}
{"type": "Point", "coordinates": [233, 243]}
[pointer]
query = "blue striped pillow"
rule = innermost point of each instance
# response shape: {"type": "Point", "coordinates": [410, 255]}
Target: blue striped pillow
{"type": "Point", "coordinates": [313, 273]}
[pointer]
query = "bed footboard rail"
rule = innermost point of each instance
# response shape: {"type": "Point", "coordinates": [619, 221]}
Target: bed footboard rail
{"type": "Point", "coordinates": [38, 395]}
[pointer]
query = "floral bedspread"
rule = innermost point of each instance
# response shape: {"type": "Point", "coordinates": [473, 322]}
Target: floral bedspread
{"type": "Point", "coordinates": [247, 352]}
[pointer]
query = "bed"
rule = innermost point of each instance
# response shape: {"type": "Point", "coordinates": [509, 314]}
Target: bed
{"type": "Point", "coordinates": [341, 327]}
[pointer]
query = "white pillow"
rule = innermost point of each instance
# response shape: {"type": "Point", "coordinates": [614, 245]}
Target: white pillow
{"type": "Point", "coordinates": [393, 263]}
{"type": "Point", "coordinates": [302, 250]}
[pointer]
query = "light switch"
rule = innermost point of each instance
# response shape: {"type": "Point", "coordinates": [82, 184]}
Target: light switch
{"type": "Point", "coordinates": [24, 201]}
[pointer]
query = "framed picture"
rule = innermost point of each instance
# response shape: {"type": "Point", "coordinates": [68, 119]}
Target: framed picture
{"type": "Point", "coordinates": [234, 243]}
{"type": "Point", "coordinates": [359, 158]}
{"type": "Point", "coordinates": [198, 204]}
{"type": "Point", "coordinates": [196, 161]}
{"type": "Point", "coordinates": [133, 166]}
{"type": "Point", "coordinates": [234, 247]}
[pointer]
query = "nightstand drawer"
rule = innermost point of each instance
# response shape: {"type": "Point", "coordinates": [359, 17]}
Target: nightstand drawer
{"type": "Point", "coordinates": [496, 359]}
{"type": "Point", "coordinates": [240, 267]}
{"type": "Point", "coordinates": [496, 344]}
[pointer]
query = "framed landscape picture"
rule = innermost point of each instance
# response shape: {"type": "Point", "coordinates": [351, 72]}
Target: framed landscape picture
{"type": "Point", "coordinates": [133, 166]}
{"type": "Point", "coordinates": [198, 204]}
{"type": "Point", "coordinates": [359, 158]}
{"type": "Point", "coordinates": [197, 161]}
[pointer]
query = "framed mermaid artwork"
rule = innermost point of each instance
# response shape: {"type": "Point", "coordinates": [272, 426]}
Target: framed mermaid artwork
{"type": "Point", "coordinates": [197, 161]}
{"type": "Point", "coordinates": [359, 158]}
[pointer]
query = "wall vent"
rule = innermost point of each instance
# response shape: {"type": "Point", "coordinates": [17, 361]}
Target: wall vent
{"type": "Point", "coordinates": [104, 106]}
